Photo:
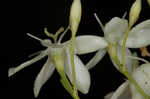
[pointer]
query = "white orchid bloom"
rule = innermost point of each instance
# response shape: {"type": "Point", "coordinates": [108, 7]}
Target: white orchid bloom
{"type": "Point", "coordinates": [114, 31]}
{"type": "Point", "coordinates": [128, 91]}
{"type": "Point", "coordinates": [58, 54]}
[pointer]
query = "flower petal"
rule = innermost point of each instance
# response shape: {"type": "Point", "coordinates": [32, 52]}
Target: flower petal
{"type": "Point", "coordinates": [123, 92]}
{"type": "Point", "coordinates": [82, 74]}
{"type": "Point", "coordinates": [115, 28]}
{"type": "Point", "coordinates": [98, 57]}
{"type": "Point", "coordinates": [128, 60]}
{"type": "Point", "coordinates": [139, 36]}
{"type": "Point", "coordinates": [142, 77]}
{"type": "Point", "coordinates": [45, 73]}
{"type": "Point", "coordinates": [13, 70]}
{"type": "Point", "coordinates": [88, 43]}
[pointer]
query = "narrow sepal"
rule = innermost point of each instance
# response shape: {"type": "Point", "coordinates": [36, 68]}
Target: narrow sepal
{"type": "Point", "coordinates": [97, 57]}
{"type": "Point", "coordinates": [14, 70]}
{"type": "Point", "coordinates": [45, 73]}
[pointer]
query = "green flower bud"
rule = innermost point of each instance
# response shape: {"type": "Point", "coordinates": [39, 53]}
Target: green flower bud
{"type": "Point", "coordinates": [148, 2]}
{"type": "Point", "coordinates": [134, 12]}
{"type": "Point", "coordinates": [75, 16]}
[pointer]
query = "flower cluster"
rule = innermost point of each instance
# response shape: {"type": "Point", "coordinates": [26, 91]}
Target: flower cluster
{"type": "Point", "coordinates": [119, 36]}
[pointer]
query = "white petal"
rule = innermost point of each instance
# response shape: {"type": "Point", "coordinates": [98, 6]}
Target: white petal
{"type": "Point", "coordinates": [13, 70]}
{"type": "Point", "coordinates": [82, 75]}
{"type": "Point", "coordinates": [88, 43]}
{"type": "Point", "coordinates": [98, 57]}
{"type": "Point", "coordinates": [123, 92]}
{"type": "Point", "coordinates": [139, 36]}
{"type": "Point", "coordinates": [45, 73]}
{"type": "Point", "coordinates": [128, 60]}
{"type": "Point", "coordinates": [115, 28]}
{"type": "Point", "coordinates": [142, 77]}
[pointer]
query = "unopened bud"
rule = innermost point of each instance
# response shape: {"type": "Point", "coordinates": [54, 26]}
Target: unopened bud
{"type": "Point", "coordinates": [148, 2]}
{"type": "Point", "coordinates": [75, 15]}
{"type": "Point", "coordinates": [134, 12]}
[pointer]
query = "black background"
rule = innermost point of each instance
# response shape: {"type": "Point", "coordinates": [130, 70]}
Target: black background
{"type": "Point", "coordinates": [25, 17]}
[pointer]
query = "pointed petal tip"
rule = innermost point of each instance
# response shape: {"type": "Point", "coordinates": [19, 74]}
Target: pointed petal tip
{"type": "Point", "coordinates": [11, 72]}
{"type": "Point", "coordinates": [36, 91]}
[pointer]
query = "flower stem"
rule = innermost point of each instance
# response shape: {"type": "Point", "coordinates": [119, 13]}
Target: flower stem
{"type": "Point", "coordinates": [123, 46]}
{"type": "Point", "coordinates": [66, 84]}
{"type": "Point", "coordinates": [124, 70]}
{"type": "Point", "coordinates": [73, 67]}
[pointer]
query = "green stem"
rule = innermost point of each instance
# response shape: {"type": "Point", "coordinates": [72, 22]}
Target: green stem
{"type": "Point", "coordinates": [123, 46]}
{"type": "Point", "coordinates": [124, 70]}
{"type": "Point", "coordinates": [57, 56]}
{"type": "Point", "coordinates": [73, 67]}
{"type": "Point", "coordinates": [66, 84]}
{"type": "Point", "coordinates": [112, 50]}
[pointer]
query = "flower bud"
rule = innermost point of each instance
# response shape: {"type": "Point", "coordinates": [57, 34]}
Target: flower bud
{"type": "Point", "coordinates": [148, 2]}
{"type": "Point", "coordinates": [134, 12]}
{"type": "Point", "coordinates": [75, 15]}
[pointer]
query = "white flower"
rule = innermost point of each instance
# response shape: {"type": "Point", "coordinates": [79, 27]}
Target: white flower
{"type": "Point", "coordinates": [83, 44]}
{"type": "Point", "coordinates": [138, 37]}
{"type": "Point", "coordinates": [114, 31]}
{"type": "Point", "coordinates": [128, 91]}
